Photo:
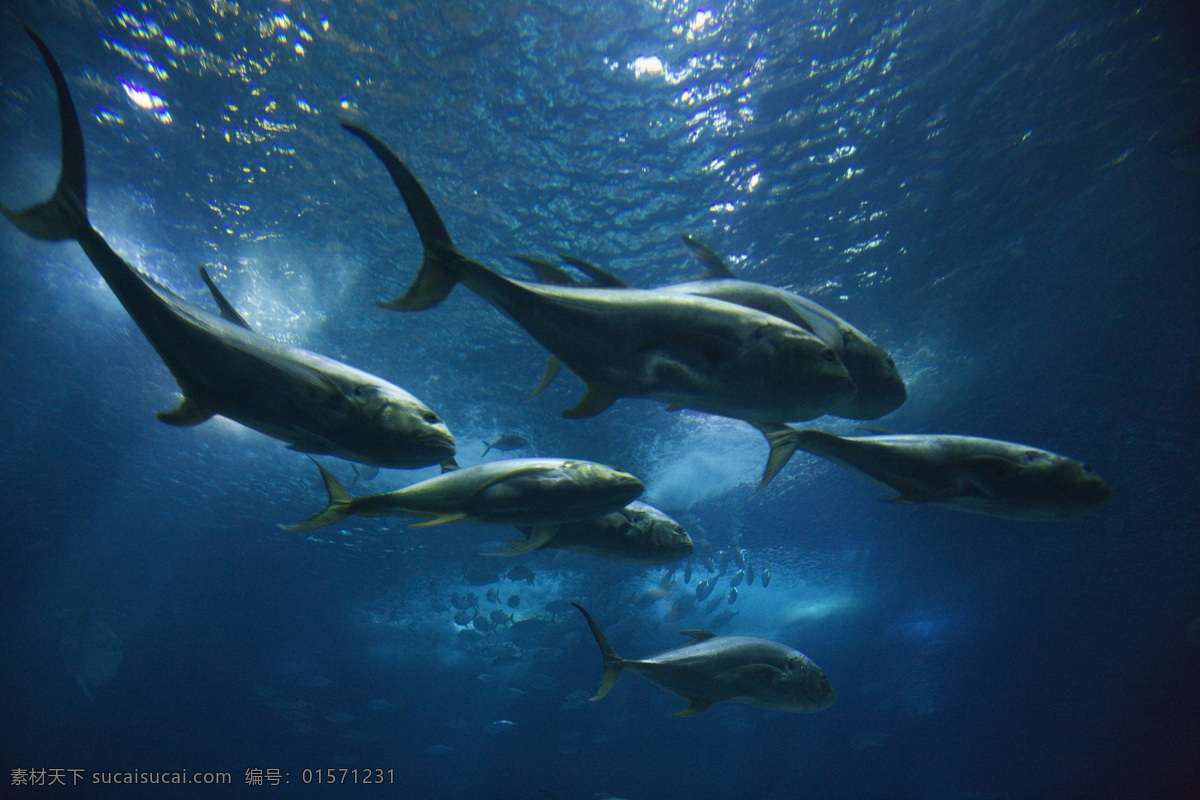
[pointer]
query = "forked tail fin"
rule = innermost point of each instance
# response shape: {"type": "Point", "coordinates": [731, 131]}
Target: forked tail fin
{"type": "Point", "coordinates": [613, 663]}
{"type": "Point", "coordinates": [440, 268]}
{"type": "Point", "coordinates": [340, 505]}
{"type": "Point", "coordinates": [783, 441]}
{"type": "Point", "coordinates": [63, 216]}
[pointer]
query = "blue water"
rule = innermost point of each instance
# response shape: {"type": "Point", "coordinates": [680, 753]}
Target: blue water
{"type": "Point", "coordinates": [1003, 194]}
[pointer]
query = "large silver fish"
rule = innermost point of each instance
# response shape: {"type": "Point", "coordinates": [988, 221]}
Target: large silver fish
{"type": "Point", "coordinates": [712, 669]}
{"type": "Point", "coordinates": [315, 404]}
{"type": "Point", "coordinates": [967, 473]}
{"type": "Point", "coordinates": [542, 493]}
{"type": "Point", "coordinates": [683, 350]}
{"type": "Point", "coordinates": [879, 389]}
{"type": "Point", "coordinates": [636, 534]}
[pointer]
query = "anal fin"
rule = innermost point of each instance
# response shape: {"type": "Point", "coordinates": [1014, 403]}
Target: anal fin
{"type": "Point", "coordinates": [553, 367]}
{"type": "Point", "coordinates": [698, 704]}
{"type": "Point", "coordinates": [597, 398]}
{"type": "Point", "coordinates": [186, 414]}
{"type": "Point", "coordinates": [441, 519]}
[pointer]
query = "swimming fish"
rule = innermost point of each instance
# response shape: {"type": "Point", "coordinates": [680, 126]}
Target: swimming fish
{"type": "Point", "coordinates": [521, 573]}
{"type": "Point", "coordinates": [636, 534]}
{"type": "Point", "coordinates": [313, 403]}
{"type": "Point", "coordinates": [966, 473]}
{"type": "Point", "coordinates": [879, 389]}
{"type": "Point", "coordinates": [711, 669]}
{"type": "Point", "coordinates": [684, 350]}
{"type": "Point", "coordinates": [539, 492]}
{"type": "Point", "coordinates": [509, 441]}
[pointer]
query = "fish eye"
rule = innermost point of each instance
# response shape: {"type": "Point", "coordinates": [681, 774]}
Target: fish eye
{"type": "Point", "coordinates": [431, 418]}
{"type": "Point", "coordinates": [1087, 468]}
{"type": "Point", "coordinates": [829, 355]}
{"type": "Point", "coordinates": [891, 362]}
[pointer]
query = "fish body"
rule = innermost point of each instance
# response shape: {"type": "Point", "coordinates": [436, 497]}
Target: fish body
{"type": "Point", "coordinates": [521, 573]}
{"type": "Point", "coordinates": [879, 389]}
{"type": "Point", "coordinates": [507, 442]}
{"type": "Point", "coordinates": [313, 403]}
{"type": "Point", "coordinates": [968, 473]}
{"type": "Point", "coordinates": [539, 492]}
{"type": "Point", "coordinates": [680, 609]}
{"type": "Point", "coordinates": [713, 669]}
{"type": "Point", "coordinates": [683, 350]}
{"type": "Point", "coordinates": [636, 534]}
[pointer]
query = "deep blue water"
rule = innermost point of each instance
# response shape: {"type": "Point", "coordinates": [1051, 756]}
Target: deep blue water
{"type": "Point", "coordinates": [1003, 194]}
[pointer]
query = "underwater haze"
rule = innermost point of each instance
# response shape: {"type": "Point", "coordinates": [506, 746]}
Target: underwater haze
{"type": "Point", "coordinates": [1003, 194]}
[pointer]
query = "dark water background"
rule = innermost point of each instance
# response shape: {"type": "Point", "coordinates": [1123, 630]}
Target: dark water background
{"type": "Point", "coordinates": [1004, 194]}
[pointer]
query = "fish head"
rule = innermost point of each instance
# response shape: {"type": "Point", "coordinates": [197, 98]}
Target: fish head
{"type": "Point", "coordinates": [804, 688]}
{"type": "Point", "coordinates": [606, 486]}
{"type": "Point", "coordinates": [1075, 487]}
{"type": "Point", "coordinates": [655, 532]}
{"type": "Point", "coordinates": [406, 433]}
{"type": "Point", "coordinates": [806, 371]}
{"type": "Point", "coordinates": [1036, 484]}
{"type": "Point", "coordinates": [879, 389]}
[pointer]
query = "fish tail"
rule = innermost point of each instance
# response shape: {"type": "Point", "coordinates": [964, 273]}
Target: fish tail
{"type": "Point", "coordinates": [613, 663]}
{"type": "Point", "coordinates": [340, 505]}
{"type": "Point", "coordinates": [783, 441]}
{"type": "Point", "coordinates": [63, 216]}
{"type": "Point", "coordinates": [442, 264]}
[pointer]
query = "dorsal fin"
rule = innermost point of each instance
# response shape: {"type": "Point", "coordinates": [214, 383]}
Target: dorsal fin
{"type": "Point", "coordinates": [715, 266]}
{"type": "Point", "coordinates": [227, 310]}
{"type": "Point", "coordinates": [599, 276]}
{"type": "Point", "coordinates": [547, 272]}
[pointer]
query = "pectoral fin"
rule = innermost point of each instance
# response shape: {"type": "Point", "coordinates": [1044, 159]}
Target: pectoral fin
{"type": "Point", "coordinates": [753, 673]}
{"type": "Point", "coordinates": [441, 519]}
{"type": "Point", "coordinates": [783, 441]}
{"type": "Point", "coordinates": [553, 367]}
{"type": "Point", "coordinates": [597, 398]}
{"type": "Point", "coordinates": [537, 538]}
{"type": "Point", "coordinates": [186, 414]}
{"type": "Point", "coordinates": [698, 704]}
